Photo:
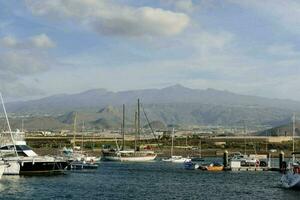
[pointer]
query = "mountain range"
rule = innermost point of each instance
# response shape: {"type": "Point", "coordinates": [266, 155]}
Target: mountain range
{"type": "Point", "coordinates": [171, 105]}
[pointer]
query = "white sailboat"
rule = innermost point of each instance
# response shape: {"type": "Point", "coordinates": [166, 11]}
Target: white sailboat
{"type": "Point", "coordinates": [175, 159]}
{"type": "Point", "coordinates": [291, 178]}
{"type": "Point", "coordinates": [79, 159]}
{"type": "Point", "coordinates": [132, 155]}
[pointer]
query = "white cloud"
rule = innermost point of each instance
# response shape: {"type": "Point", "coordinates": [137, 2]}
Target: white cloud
{"type": "Point", "coordinates": [41, 41]}
{"type": "Point", "coordinates": [106, 17]}
{"type": "Point", "coordinates": [21, 58]}
{"type": "Point", "coordinates": [18, 90]}
{"type": "Point", "coordinates": [9, 41]}
{"type": "Point", "coordinates": [17, 62]}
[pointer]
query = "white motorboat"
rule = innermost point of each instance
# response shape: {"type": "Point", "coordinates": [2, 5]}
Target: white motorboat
{"type": "Point", "coordinates": [291, 178]}
{"type": "Point", "coordinates": [21, 159]}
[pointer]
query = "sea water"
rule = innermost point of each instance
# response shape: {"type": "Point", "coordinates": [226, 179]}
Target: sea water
{"type": "Point", "coordinates": [154, 180]}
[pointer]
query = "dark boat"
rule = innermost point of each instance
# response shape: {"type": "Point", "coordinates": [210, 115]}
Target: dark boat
{"type": "Point", "coordinates": [21, 159]}
{"type": "Point", "coordinates": [25, 161]}
{"type": "Point", "coordinates": [82, 165]}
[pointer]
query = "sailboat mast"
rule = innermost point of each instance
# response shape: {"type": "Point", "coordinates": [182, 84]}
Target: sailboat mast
{"type": "Point", "coordinates": [123, 128]}
{"type": "Point", "coordinates": [200, 149]}
{"type": "Point", "coordinates": [135, 126]}
{"type": "Point", "coordinates": [8, 124]}
{"type": "Point", "coordinates": [294, 119]}
{"type": "Point", "coordinates": [74, 130]}
{"type": "Point", "coordinates": [22, 127]}
{"type": "Point", "coordinates": [83, 128]}
{"type": "Point", "coordinates": [139, 121]}
{"type": "Point", "coordinates": [245, 134]}
{"type": "Point", "coordinates": [172, 147]}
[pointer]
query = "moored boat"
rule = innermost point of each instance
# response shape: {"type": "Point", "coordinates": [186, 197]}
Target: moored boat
{"type": "Point", "coordinates": [291, 176]}
{"type": "Point", "coordinates": [129, 155]}
{"type": "Point", "coordinates": [26, 161]}
{"type": "Point", "coordinates": [191, 165]}
{"type": "Point", "coordinates": [175, 159]}
{"type": "Point", "coordinates": [82, 165]}
{"type": "Point", "coordinates": [21, 159]}
{"type": "Point", "coordinates": [214, 167]}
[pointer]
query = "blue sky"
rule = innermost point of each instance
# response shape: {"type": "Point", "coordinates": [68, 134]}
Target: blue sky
{"type": "Point", "coordinates": [67, 46]}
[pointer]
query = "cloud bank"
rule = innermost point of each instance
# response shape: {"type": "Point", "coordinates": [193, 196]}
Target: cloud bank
{"type": "Point", "coordinates": [109, 18]}
{"type": "Point", "coordinates": [20, 58]}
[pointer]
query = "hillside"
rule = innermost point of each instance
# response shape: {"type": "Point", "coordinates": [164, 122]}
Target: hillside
{"type": "Point", "coordinates": [172, 105]}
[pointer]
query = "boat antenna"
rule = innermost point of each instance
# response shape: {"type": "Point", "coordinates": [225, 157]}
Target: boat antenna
{"type": "Point", "coordinates": [123, 128]}
{"type": "Point", "coordinates": [8, 124]}
{"type": "Point", "coordinates": [294, 119]}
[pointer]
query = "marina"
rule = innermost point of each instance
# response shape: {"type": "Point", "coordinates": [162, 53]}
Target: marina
{"type": "Point", "coordinates": [154, 100]}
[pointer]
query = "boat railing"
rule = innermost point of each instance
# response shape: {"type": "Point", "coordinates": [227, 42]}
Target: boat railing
{"type": "Point", "coordinates": [5, 137]}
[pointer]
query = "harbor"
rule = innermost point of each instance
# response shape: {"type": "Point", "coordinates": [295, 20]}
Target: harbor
{"type": "Point", "coordinates": [115, 180]}
{"type": "Point", "coordinates": [154, 100]}
{"type": "Point", "coordinates": [177, 167]}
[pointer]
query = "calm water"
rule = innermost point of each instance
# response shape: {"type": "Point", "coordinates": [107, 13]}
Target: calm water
{"type": "Point", "coordinates": [155, 180]}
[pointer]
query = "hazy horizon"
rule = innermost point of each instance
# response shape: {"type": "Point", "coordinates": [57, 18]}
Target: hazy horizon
{"type": "Point", "coordinates": [52, 47]}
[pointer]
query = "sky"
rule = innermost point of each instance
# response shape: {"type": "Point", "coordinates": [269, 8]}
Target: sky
{"type": "Point", "coordinates": [67, 46]}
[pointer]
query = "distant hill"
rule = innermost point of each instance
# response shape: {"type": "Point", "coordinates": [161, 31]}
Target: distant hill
{"type": "Point", "coordinates": [36, 123]}
{"type": "Point", "coordinates": [170, 105]}
{"type": "Point", "coordinates": [283, 130]}
{"type": "Point", "coordinates": [156, 125]}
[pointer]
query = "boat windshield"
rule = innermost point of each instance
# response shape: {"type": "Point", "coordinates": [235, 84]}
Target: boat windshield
{"type": "Point", "coordinates": [22, 147]}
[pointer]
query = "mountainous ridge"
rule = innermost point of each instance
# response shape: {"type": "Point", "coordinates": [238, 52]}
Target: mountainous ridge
{"type": "Point", "coordinates": [171, 105]}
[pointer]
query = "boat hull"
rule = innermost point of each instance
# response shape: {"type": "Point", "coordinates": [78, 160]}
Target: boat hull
{"type": "Point", "coordinates": [129, 156]}
{"type": "Point", "coordinates": [2, 168]}
{"type": "Point", "coordinates": [43, 167]}
{"type": "Point", "coordinates": [177, 159]}
{"type": "Point", "coordinates": [81, 165]}
{"type": "Point", "coordinates": [130, 159]}
{"type": "Point", "coordinates": [214, 168]}
{"type": "Point", "coordinates": [291, 180]}
{"type": "Point", "coordinates": [12, 168]}
{"type": "Point", "coordinates": [31, 166]}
